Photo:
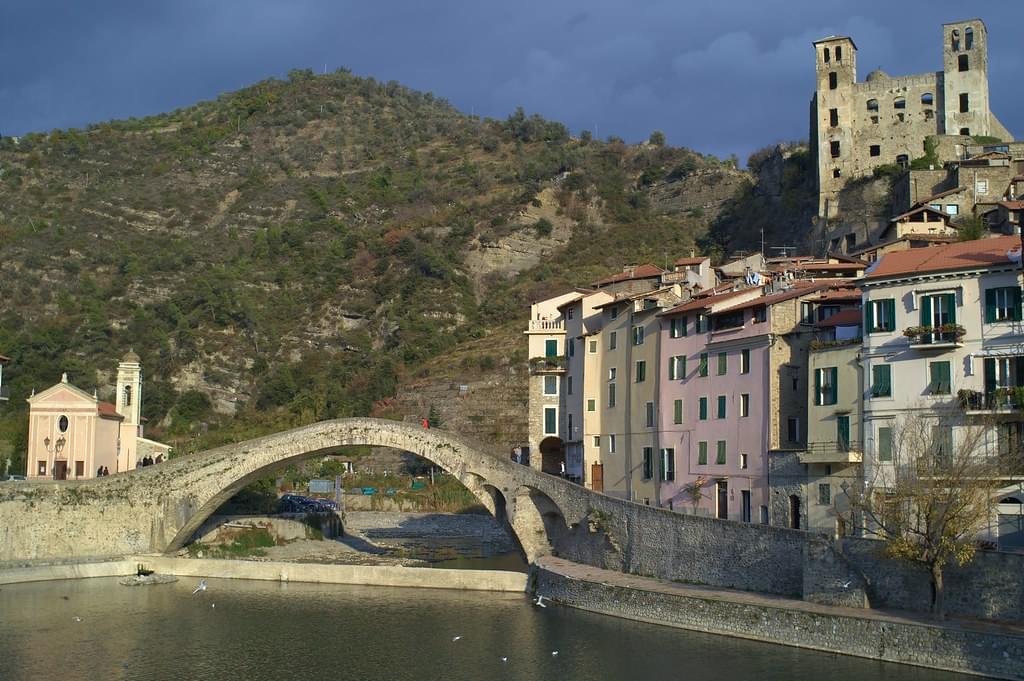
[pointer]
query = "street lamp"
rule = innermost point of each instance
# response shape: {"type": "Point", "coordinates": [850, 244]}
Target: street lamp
{"type": "Point", "coordinates": [56, 450]}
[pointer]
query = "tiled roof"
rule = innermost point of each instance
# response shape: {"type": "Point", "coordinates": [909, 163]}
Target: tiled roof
{"type": "Point", "coordinates": [691, 261]}
{"type": "Point", "coordinates": [921, 209]}
{"type": "Point", "coordinates": [5, 360]}
{"type": "Point", "coordinates": [838, 294]}
{"type": "Point", "coordinates": [954, 256]}
{"type": "Point", "coordinates": [646, 271]}
{"type": "Point", "coordinates": [825, 266]}
{"type": "Point", "coordinates": [705, 301]}
{"type": "Point", "coordinates": [108, 410]}
{"type": "Point", "coordinates": [800, 288]}
{"type": "Point", "coordinates": [1012, 205]}
{"type": "Point", "coordinates": [841, 318]}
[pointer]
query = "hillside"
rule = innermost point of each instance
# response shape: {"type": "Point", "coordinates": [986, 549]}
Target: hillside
{"type": "Point", "coordinates": [303, 248]}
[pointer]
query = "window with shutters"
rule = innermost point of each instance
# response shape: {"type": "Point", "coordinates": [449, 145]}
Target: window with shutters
{"type": "Point", "coordinates": [591, 405]}
{"type": "Point", "coordinates": [648, 463]}
{"type": "Point", "coordinates": [702, 453]}
{"type": "Point", "coordinates": [638, 335]}
{"type": "Point", "coordinates": [702, 409]}
{"type": "Point", "coordinates": [677, 411]}
{"type": "Point", "coordinates": [640, 371]}
{"type": "Point", "coordinates": [721, 407]}
{"type": "Point", "coordinates": [677, 368]}
{"type": "Point", "coordinates": [884, 444]}
{"type": "Point", "coordinates": [677, 327]}
{"type": "Point", "coordinates": [649, 414]}
{"type": "Point", "coordinates": [745, 361]}
{"type": "Point", "coordinates": [825, 386]}
{"type": "Point", "coordinates": [937, 311]}
{"type": "Point", "coordinates": [703, 324]}
{"type": "Point", "coordinates": [1001, 374]}
{"type": "Point", "coordinates": [551, 348]}
{"type": "Point", "coordinates": [550, 420]}
{"type": "Point", "coordinates": [880, 316]}
{"type": "Point", "coordinates": [842, 433]}
{"type": "Point", "coordinates": [723, 363]}
{"type": "Point", "coordinates": [941, 379]}
{"type": "Point", "coordinates": [760, 314]}
{"type": "Point", "coordinates": [551, 385]}
{"type": "Point", "coordinates": [720, 455]}
{"type": "Point", "coordinates": [942, 446]}
{"type": "Point", "coordinates": [668, 464]}
{"type": "Point", "coordinates": [702, 366]}
{"type": "Point", "coordinates": [881, 380]}
{"type": "Point", "coordinates": [1002, 304]}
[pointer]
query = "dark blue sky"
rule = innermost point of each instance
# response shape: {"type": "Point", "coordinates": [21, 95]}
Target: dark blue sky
{"type": "Point", "coordinates": [719, 77]}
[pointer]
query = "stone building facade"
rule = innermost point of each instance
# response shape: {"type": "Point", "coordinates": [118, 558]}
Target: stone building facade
{"type": "Point", "coordinates": [857, 126]}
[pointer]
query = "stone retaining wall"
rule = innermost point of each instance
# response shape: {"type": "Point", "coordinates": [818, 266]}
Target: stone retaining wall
{"type": "Point", "coordinates": [959, 650]}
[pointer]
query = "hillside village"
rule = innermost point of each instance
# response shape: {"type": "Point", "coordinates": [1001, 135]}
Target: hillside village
{"type": "Point", "coordinates": [792, 391]}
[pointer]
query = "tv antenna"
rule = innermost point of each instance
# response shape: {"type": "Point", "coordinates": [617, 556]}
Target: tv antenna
{"type": "Point", "coordinates": [785, 250]}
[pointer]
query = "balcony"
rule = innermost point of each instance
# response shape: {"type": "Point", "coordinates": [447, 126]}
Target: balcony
{"type": "Point", "coordinates": [1000, 401]}
{"type": "Point", "coordinates": [833, 452]}
{"type": "Point", "coordinates": [548, 365]}
{"type": "Point", "coordinates": [932, 338]}
{"type": "Point", "coordinates": [546, 326]}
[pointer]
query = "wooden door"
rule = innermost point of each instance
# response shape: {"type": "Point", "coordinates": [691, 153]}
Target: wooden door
{"type": "Point", "coordinates": [60, 470]}
{"type": "Point", "coordinates": [723, 499]}
{"type": "Point", "coordinates": [597, 477]}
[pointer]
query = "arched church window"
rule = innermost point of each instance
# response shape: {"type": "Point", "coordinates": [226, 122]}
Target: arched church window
{"type": "Point", "coordinates": [899, 103]}
{"type": "Point", "coordinates": [968, 38]}
{"type": "Point", "coordinates": [872, 105]}
{"type": "Point", "coordinates": [954, 39]}
{"type": "Point", "coordinates": [127, 396]}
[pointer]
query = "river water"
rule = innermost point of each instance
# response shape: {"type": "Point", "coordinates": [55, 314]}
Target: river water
{"type": "Point", "coordinates": [263, 631]}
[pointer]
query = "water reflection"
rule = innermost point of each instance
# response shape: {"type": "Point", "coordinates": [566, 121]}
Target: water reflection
{"type": "Point", "coordinates": [265, 630]}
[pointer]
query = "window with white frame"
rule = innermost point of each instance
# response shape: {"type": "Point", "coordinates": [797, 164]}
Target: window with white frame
{"type": "Point", "coordinates": [638, 335]}
{"type": "Point", "coordinates": [745, 404]}
{"type": "Point", "coordinates": [825, 388]}
{"type": "Point", "coordinates": [592, 346]}
{"type": "Point", "coordinates": [611, 395]}
{"type": "Point", "coordinates": [611, 443]}
{"type": "Point", "coordinates": [550, 420]}
{"type": "Point", "coordinates": [981, 186]}
{"type": "Point", "coordinates": [668, 464]}
{"type": "Point", "coordinates": [677, 367]}
{"type": "Point", "coordinates": [1002, 304]}
{"type": "Point", "coordinates": [613, 340]}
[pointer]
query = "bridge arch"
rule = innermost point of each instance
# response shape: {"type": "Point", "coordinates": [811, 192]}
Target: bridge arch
{"type": "Point", "coordinates": [509, 491]}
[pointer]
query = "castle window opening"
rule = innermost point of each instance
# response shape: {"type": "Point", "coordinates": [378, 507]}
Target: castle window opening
{"type": "Point", "coordinates": [828, 55]}
{"type": "Point", "coordinates": [834, 148]}
{"type": "Point", "coordinates": [965, 102]}
{"type": "Point", "coordinates": [965, 131]}
{"type": "Point", "coordinates": [929, 114]}
{"type": "Point", "coordinates": [963, 62]}
{"type": "Point", "coordinates": [954, 39]}
{"type": "Point", "coordinates": [901, 117]}
{"type": "Point", "coordinates": [968, 38]}
{"type": "Point", "coordinates": [872, 105]}
{"type": "Point", "coordinates": [839, 53]}
{"type": "Point", "coordinates": [836, 172]}
{"type": "Point", "coordinates": [927, 99]}
{"type": "Point", "coordinates": [899, 103]}
{"type": "Point", "coordinates": [833, 81]}
{"type": "Point", "coordinates": [874, 120]}
{"type": "Point", "coordinates": [833, 117]}
{"type": "Point", "coordinates": [875, 150]}
{"type": "Point", "coordinates": [903, 161]}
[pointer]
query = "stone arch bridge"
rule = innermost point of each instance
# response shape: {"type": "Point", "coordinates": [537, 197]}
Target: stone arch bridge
{"type": "Point", "coordinates": [157, 510]}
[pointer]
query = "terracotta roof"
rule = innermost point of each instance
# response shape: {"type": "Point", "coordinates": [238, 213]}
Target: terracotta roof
{"type": "Point", "coordinates": [954, 256]}
{"type": "Point", "coordinates": [705, 301]}
{"type": "Point", "coordinates": [838, 294]}
{"type": "Point", "coordinates": [4, 360]}
{"type": "Point", "coordinates": [107, 410]}
{"type": "Point", "coordinates": [646, 271]}
{"type": "Point", "coordinates": [691, 261]}
{"type": "Point", "coordinates": [1012, 205]}
{"type": "Point", "coordinates": [939, 238]}
{"type": "Point", "coordinates": [921, 209]}
{"type": "Point", "coordinates": [800, 288]}
{"type": "Point", "coordinates": [842, 318]}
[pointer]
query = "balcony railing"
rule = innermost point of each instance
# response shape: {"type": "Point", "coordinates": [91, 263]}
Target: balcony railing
{"type": "Point", "coordinates": [838, 451]}
{"type": "Point", "coordinates": [1000, 400]}
{"type": "Point", "coordinates": [547, 325]}
{"type": "Point", "coordinates": [947, 335]}
{"type": "Point", "coordinates": [548, 365]}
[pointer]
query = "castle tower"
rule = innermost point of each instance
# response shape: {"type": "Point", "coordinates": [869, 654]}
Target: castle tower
{"type": "Point", "coordinates": [965, 78]}
{"type": "Point", "coordinates": [836, 71]}
{"type": "Point", "coordinates": [128, 402]}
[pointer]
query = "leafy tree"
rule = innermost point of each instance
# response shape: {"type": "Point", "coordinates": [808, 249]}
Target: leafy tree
{"type": "Point", "coordinates": [971, 228]}
{"type": "Point", "coordinates": [657, 138]}
{"type": "Point", "coordinates": [434, 418]}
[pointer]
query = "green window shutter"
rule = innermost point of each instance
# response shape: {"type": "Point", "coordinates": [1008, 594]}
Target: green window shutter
{"type": "Point", "coordinates": [671, 368]}
{"type": "Point", "coordinates": [817, 387]}
{"type": "Point", "coordinates": [990, 375]}
{"type": "Point", "coordinates": [835, 384]}
{"type": "Point", "coordinates": [990, 305]}
{"type": "Point", "coordinates": [670, 461]}
{"type": "Point", "coordinates": [723, 363]}
{"type": "Point", "coordinates": [721, 406]}
{"type": "Point", "coordinates": [720, 458]}
{"type": "Point", "coordinates": [703, 409]}
{"type": "Point", "coordinates": [945, 376]}
{"type": "Point", "coordinates": [885, 444]}
{"type": "Point", "coordinates": [843, 432]}
{"type": "Point", "coordinates": [926, 311]}
{"type": "Point", "coordinates": [703, 367]}
{"type": "Point", "coordinates": [682, 367]}
{"type": "Point", "coordinates": [890, 314]}
{"type": "Point", "coordinates": [551, 348]}
{"type": "Point", "coordinates": [677, 411]}
{"type": "Point", "coordinates": [869, 318]}
{"type": "Point", "coordinates": [683, 321]}
{"type": "Point", "coordinates": [950, 307]}
{"type": "Point", "coordinates": [702, 453]}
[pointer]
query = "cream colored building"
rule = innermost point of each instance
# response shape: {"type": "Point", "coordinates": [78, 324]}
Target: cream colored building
{"type": "Point", "coordinates": [72, 434]}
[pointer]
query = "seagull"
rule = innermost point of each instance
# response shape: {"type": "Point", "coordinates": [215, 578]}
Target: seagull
{"type": "Point", "coordinates": [213, 605]}
{"type": "Point", "coordinates": [456, 638]}
{"type": "Point", "coordinates": [540, 601]}
{"type": "Point", "coordinates": [846, 584]}
{"type": "Point", "coordinates": [554, 653]}
{"type": "Point", "coordinates": [77, 618]}
{"type": "Point", "coordinates": [201, 587]}
{"type": "Point", "coordinates": [504, 659]}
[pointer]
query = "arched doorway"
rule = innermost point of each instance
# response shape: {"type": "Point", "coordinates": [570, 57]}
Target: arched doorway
{"type": "Point", "coordinates": [552, 455]}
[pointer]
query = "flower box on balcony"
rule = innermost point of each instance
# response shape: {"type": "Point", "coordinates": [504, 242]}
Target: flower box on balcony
{"type": "Point", "coordinates": [930, 335]}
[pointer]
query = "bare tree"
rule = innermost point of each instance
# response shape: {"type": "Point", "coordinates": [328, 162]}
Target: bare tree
{"type": "Point", "coordinates": [928, 491]}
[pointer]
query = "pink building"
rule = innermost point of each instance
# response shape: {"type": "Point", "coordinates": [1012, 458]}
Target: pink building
{"type": "Point", "coordinates": [733, 389]}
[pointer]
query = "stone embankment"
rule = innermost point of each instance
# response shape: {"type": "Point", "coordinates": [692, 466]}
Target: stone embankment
{"type": "Point", "coordinates": [957, 645]}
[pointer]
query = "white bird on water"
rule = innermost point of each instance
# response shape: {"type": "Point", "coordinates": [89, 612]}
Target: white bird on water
{"type": "Point", "coordinates": [200, 587]}
{"type": "Point", "coordinates": [456, 638]}
{"type": "Point", "coordinates": [846, 584]}
{"type": "Point", "coordinates": [504, 659]}
{"type": "Point", "coordinates": [554, 653]}
{"type": "Point", "coordinates": [540, 601]}
{"type": "Point", "coordinates": [77, 618]}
